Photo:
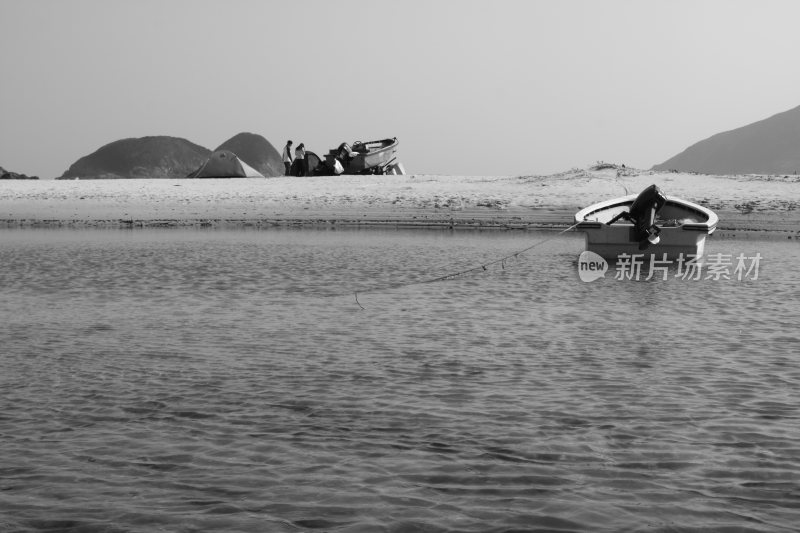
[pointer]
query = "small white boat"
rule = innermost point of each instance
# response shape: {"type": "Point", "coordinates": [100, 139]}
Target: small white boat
{"type": "Point", "coordinates": [647, 223]}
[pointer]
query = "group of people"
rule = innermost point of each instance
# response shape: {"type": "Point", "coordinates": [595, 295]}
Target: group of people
{"type": "Point", "coordinates": [297, 166]}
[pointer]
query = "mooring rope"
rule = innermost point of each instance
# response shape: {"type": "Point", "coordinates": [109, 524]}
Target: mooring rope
{"type": "Point", "coordinates": [454, 275]}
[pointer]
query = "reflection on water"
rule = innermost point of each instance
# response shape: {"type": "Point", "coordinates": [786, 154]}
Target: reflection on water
{"type": "Point", "coordinates": [186, 380]}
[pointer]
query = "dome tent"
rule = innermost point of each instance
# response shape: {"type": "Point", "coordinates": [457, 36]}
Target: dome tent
{"type": "Point", "coordinates": [257, 152]}
{"type": "Point", "coordinates": [225, 164]}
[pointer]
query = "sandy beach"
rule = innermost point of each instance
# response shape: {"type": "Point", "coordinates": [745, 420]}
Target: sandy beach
{"type": "Point", "coordinates": [743, 203]}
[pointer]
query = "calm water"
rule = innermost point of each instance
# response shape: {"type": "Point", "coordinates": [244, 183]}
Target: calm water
{"type": "Point", "coordinates": [193, 381]}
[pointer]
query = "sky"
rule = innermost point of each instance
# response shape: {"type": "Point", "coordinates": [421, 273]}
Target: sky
{"type": "Point", "coordinates": [469, 87]}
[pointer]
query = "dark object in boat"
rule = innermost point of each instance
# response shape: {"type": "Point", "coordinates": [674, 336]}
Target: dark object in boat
{"type": "Point", "coordinates": [642, 213]}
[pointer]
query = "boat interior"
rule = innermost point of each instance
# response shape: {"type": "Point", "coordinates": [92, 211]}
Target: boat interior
{"type": "Point", "coordinates": [672, 214]}
{"type": "Point", "coordinates": [371, 146]}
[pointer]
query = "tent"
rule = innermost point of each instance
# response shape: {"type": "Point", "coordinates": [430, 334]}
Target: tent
{"type": "Point", "coordinates": [310, 168]}
{"type": "Point", "coordinates": [225, 164]}
{"type": "Point", "coordinates": [313, 163]}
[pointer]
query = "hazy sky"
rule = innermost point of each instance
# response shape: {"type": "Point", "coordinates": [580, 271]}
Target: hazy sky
{"type": "Point", "coordinates": [490, 87]}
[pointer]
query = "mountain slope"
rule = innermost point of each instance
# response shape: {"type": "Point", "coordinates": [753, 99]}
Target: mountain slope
{"type": "Point", "coordinates": [769, 146]}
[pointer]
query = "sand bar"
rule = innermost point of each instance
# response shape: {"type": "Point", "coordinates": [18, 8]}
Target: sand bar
{"type": "Point", "coordinates": [744, 203]}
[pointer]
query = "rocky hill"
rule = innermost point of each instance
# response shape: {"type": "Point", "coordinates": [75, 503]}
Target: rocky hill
{"type": "Point", "coordinates": [257, 152]}
{"type": "Point", "coordinates": [769, 146]}
{"type": "Point", "coordinates": [8, 175]}
{"type": "Point", "coordinates": [145, 157]}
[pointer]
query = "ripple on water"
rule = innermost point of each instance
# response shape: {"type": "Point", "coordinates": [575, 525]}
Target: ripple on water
{"type": "Point", "coordinates": [228, 381]}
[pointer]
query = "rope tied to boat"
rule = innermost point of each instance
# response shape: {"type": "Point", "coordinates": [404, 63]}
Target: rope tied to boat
{"type": "Point", "coordinates": [453, 275]}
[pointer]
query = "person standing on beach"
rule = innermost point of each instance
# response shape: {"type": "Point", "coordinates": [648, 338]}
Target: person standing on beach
{"type": "Point", "coordinates": [300, 157]}
{"type": "Point", "coordinates": [287, 157]}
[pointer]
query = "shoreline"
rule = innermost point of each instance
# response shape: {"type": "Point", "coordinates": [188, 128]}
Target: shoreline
{"type": "Point", "coordinates": [734, 226]}
{"type": "Point", "coordinates": [745, 204]}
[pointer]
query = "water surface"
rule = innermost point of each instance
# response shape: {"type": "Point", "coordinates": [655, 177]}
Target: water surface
{"type": "Point", "coordinates": [193, 380]}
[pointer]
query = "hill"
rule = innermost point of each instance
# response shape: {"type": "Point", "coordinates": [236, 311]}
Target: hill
{"type": "Point", "coordinates": [257, 152]}
{"type": "Point", "coordinates": [8, 175]}
{"type": "Point", "coordinates": [769, 146]}
{"type": "Point", "coordinates": [145, 157]}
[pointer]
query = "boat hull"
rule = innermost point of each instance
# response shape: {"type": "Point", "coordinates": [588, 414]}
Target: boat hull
{"type": "Point", "coordinates": [613, 242]}
{"type": "Point", "coordinates": [376, 156]}
{"type": "Point", "coordinates": [684, 228]}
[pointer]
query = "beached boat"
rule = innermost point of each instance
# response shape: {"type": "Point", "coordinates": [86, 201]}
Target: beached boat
{"type": "Point", "coordinates": [647, 223]}
{"type": "Point", "coordinates": [373, 157]}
